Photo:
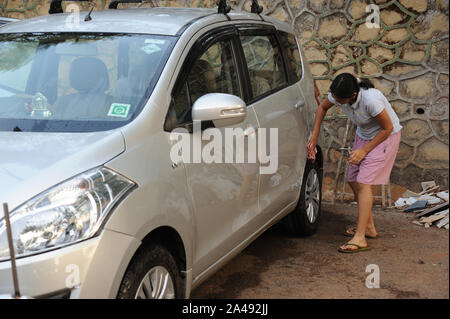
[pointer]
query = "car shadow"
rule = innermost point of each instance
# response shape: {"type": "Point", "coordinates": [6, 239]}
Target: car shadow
{"type": "Point", "coordinates": [275, 249]}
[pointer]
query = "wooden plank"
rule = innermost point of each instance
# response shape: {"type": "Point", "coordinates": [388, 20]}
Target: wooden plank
{"type": "Point", "coordinates": [444, 212]}
{"type": "Point", "coordinates": [433, 218]}
{"type": "Point", "coordinates": [430, 190]}
{"type": "Point", "coordinates": [435, 209]}
{"type": "Point", "coordinates": [442, 222]}
{"type": "Point", "coordinates": [427, 185]}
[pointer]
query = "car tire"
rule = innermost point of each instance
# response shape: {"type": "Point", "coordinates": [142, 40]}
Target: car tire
{"type": "Point", "coordinates": [152, 274]}
{"type": "Point", "coordinates": [303, 221]}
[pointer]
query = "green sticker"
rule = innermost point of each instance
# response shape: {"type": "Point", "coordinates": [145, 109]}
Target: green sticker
{"type": "Point", "coordinates": [119, 110]}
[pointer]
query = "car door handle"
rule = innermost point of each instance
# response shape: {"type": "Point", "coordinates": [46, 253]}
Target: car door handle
{"type": "Point", "coordinates": [299, 105]}
{"type": "Point", "coordinates": [176, 164]}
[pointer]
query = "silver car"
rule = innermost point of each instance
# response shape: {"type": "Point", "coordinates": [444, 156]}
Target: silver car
{"type": "Point", "coordinates": [4, 20]}
{"type": "Point", "coordinates": [99, 207]}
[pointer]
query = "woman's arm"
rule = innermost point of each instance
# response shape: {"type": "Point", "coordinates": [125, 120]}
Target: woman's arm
{"type": "Point", "coordinates": [385, 122]}
{"type": "Point", "coordinates": [320, 114]}
{"type": "Point", "coordinates": [316, 93]}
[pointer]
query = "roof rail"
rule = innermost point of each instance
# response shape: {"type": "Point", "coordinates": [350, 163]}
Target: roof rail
{"type": "Point", "coordinates": [55, 6]}
{"type": "Point", "coordinates": [224, 7]}
{"type": "Point", "coordinates": [114, 3]}
{"type": "Point", "coordinates": [256, 8]}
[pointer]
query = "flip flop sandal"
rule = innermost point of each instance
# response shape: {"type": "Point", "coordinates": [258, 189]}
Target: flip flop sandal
{"type": "Point", "coordinates": [352, 229]}
{"type": "Point", "coordinates": [351, 251]}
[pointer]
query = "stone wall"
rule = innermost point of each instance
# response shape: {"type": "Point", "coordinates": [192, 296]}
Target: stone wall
{"type": "Point", "coordinates": [406, 58]}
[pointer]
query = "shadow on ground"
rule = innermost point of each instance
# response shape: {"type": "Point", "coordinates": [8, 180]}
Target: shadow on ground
{"type": "Point", "coordinates": [413, 262]}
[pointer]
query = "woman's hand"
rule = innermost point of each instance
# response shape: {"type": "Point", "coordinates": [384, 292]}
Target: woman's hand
{"type": "Point", "coordinates": [357, 156]}
{"type": "Point", "coordinates": [311, 148]}
{"type": "Point", "coordinates": [312, 141]}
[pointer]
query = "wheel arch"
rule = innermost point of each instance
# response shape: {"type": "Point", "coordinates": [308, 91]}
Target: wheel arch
{"type": "Point", "coordinates": [319, 158]}
{"type": "Point", "coordinates": [170, 239]}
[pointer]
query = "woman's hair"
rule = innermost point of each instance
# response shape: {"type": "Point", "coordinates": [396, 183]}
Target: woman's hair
{"type": "Point", "coordinates": [345, 84]}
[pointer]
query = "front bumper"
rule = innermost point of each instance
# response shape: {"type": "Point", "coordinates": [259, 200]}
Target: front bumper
{"type": "Point", "coordinates": [90, 269]}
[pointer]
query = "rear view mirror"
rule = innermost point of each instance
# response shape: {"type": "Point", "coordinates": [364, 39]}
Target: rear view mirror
{"type": "Point", "coordinates": [222, 109]}
{"type": "Point", "coordinates": [78, 49]}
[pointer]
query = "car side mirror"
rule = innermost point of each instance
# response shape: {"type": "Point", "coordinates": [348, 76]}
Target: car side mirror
{"type": "Point", "coordinates": [222, 109]}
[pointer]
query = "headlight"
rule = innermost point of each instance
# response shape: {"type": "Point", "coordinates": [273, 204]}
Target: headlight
{"type": "Point", "coordinates": [65, 214]}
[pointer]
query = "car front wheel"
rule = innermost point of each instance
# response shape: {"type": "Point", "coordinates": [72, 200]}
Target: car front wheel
{"type": "Point", "coordinates": [152, 274]}
{"type": "Point", "coordinates": [304, 220]}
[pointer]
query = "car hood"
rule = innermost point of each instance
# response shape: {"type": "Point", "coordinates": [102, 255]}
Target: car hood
{"type": "Point", "coordinates": [30, 162]}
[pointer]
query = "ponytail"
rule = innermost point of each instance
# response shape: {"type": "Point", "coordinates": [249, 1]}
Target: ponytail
{"type": "Point", "coordinates": [365, 84]}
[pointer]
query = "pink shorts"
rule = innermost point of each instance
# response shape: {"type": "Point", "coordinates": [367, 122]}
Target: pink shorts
{"type": "Point", "coordinates": [376, 167]}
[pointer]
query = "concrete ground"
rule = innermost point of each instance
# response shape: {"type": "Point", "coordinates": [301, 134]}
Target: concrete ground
{"type": "Point", "coordinates": [413, 262]}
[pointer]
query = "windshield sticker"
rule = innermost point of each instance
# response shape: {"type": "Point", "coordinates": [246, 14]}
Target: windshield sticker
{"type": "Point", "coordinates": [119, 110]}
{"type": "Point", "coordinates": [150, 48]}
{"type": "Point", "coordinates": [155, 41]}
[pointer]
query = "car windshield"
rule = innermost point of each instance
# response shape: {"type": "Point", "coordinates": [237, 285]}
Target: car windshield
{"type": "Point", "coordinates": [60, 82]}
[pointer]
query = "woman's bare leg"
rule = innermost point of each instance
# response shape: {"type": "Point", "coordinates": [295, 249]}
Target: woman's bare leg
{"type": "Point", "coordinates": [354, 187]}
{"type": "Point", "coordinates": [371, 231]}
{"type": "Point", "coordinates": [365, 201]}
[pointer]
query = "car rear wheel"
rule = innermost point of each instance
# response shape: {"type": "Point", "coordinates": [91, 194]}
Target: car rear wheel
{"type": "Point", "coordinates": [304, 220]}
{"type": "Point", "coordinates": [152, 274]}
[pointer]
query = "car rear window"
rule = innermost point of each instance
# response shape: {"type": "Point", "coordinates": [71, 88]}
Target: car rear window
{"type": "Point", "coordinates": [292, 53]}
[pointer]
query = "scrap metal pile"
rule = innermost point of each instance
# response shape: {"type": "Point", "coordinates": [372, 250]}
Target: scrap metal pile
{"type": "Point", "coordinates": [430, 206]}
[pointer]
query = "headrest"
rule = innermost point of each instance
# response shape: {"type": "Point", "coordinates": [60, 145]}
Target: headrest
{"type": "Point", "coordinates": [89, 75]}
{"type": "Point", "coordinates": [203, 73]}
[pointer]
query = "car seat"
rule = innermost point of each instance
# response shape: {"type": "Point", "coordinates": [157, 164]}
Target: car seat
{"type": "Point", "coordinates": [89, 77]}
{"type": "Point", "coordinates": [202, 80]}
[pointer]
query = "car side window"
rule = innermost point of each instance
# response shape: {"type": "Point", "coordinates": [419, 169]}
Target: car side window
{"type": "Point", "coordinates": [265, 63]}
{"type": "Point", "coordinates": [294, 60]}
{"type": "Point", "coordinates": [213, 72]}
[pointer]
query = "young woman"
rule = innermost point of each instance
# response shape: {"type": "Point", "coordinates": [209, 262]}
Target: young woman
{"type": "Point", "coordinates": [374, 150]}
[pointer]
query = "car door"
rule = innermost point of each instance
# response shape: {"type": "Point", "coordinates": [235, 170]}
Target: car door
{"type": "Point", "coordinates": [277, 103]}
{"type": "Point", "coordinates": [300, 76]}
{"type": "Point", "coordinates": [225, 195]}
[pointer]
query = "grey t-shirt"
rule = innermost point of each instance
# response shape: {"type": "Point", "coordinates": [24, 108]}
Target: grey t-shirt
{"type": "Point", "coordinates": [369, 104]}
